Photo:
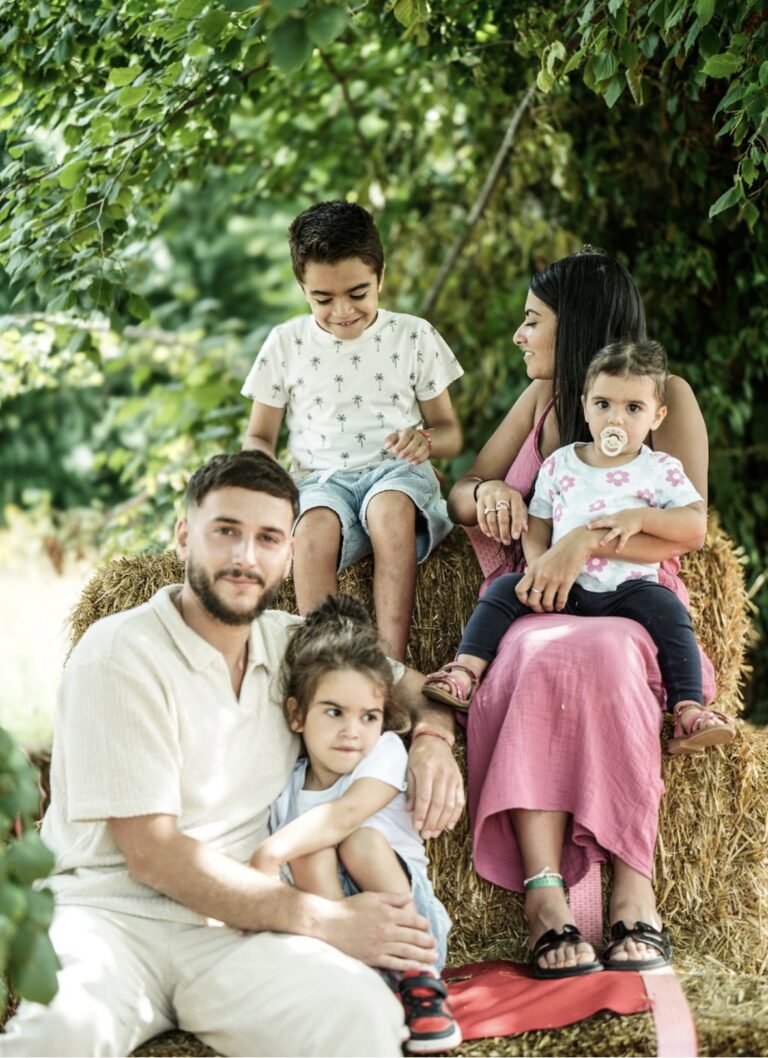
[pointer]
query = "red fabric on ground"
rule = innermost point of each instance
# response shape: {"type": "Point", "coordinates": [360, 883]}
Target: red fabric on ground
{"type": "Point", "coordinates": [502, 999]}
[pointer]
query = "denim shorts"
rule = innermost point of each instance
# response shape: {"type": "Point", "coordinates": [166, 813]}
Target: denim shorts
{"type": "Point", "coordinates": [348, 493]}
{"type": "Point", "coordinates": [424, 900]}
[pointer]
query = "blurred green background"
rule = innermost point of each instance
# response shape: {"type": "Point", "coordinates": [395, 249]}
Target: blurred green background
{"type": "Point", "coordinates": [153, 157]}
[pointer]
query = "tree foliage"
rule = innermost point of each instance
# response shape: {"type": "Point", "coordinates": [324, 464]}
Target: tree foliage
{"type": "Point", "coordinates": [153, 156]}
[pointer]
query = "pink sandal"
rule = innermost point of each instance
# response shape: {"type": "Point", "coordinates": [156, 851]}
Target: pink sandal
{"type": "Point", "coordinates": [457, 697]}
{"type": "Point", "coordinates": [700, 734]}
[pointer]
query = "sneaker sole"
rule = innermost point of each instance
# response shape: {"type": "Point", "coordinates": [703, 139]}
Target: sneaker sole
{"type": "Point", "coordinates": [435, 1045]}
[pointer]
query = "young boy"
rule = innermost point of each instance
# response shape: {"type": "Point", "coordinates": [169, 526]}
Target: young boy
{"type": "Point", "coordinates": [366, 396]}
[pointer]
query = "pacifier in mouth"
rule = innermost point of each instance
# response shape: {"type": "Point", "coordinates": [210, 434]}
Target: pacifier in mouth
{"type": "Point", "coordinates": [612, 440]}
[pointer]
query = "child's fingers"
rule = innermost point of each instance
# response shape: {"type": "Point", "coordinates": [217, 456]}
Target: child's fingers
{"type": "Point", "coordinates": [611, 535]}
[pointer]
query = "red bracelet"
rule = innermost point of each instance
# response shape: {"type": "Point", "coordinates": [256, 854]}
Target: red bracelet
{"type": "Point", "coordinates": [448, 739]}
{"type": "Point", "coordinates": [426, 435]}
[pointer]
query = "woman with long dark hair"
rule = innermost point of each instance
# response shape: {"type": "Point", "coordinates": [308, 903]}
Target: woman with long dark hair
{"type": "Point", "coordinates": [563, 734]}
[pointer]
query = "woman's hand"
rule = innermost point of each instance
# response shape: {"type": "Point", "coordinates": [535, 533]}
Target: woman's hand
{"type": "Point", "coordinates": [501, 512]}
{"type": "Point", "coordinates": [548, 579]}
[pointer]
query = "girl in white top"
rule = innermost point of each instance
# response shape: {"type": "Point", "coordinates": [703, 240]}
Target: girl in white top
{"type": "Point", "coordinates": [341, 826]}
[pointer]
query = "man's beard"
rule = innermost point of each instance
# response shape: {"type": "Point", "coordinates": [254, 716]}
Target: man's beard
{"type": "Point", "coordinates": [202, 585]}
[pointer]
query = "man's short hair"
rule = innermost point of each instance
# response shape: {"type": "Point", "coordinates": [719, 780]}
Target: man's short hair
{"type": "Point", "coordinates": [335, 231]}
{"type": "Point", "coordinates": [252, 470]}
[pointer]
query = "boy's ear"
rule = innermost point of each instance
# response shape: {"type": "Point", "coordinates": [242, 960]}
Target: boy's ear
{"type": "Point", "coordinates": [295, 722]}
{"type": "Point", "coordinates": [584, 405]}
{"type": "Point", "coordinates": [381, 277]}
{"type": "Point", "coordinates": [661, 415]}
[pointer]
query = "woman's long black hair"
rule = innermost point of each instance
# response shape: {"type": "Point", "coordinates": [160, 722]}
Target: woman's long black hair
{"type": "Point", "coordinates": [596, 302]}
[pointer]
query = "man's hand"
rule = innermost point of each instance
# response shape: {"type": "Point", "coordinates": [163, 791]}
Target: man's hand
{"type": "Point", "coordinates": [435, 786]}
{"type": "Point", "coordinates": [380, 929]}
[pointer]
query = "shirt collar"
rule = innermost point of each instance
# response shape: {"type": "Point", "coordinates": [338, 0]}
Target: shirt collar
{"type": "Point", "coordinates": [198, 652]}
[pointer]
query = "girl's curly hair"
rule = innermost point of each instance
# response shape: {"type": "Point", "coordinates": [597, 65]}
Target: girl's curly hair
{"type": "Point", "coordinates": [338, 634]}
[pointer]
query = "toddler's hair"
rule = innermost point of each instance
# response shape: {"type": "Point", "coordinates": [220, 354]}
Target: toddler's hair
{"type": "Point", "coordinates": [338, 634]}
{"type": "Point", "coordinates": [330, 232]}
{"type": "Point", "coordinates": [643, 358]}
{"type": "Point", "coordinates": [243, 470]}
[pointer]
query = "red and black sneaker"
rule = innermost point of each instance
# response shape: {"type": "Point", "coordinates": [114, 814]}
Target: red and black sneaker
{"type": "Point", "coordinates": [428, 1014]}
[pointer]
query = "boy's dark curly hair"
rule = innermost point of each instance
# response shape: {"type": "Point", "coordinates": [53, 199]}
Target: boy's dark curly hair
{"type": "Point", "coordinates": [329, 232]}
{"type": "Point", "coordinates": [338, 634]}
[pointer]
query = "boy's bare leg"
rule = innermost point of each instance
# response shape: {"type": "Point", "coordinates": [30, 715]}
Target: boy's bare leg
{"type": "Point", "coordinates": [318, 873]}
{"type": "Point", "coordinates": [391, 518]}
{"type": "Point", "coordinates": [371, 862]}
{"type": "Point", "coordinates": [315, 557]}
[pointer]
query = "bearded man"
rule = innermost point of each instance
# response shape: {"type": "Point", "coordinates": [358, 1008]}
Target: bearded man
{"type": "Point", "coordinates": [169, 747]}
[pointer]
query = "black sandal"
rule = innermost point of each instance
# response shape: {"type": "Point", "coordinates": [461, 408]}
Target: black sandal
{"type": "Point", "coordinates": [552, 940]}
{"type": "Point", "coordinates": [644, 934]}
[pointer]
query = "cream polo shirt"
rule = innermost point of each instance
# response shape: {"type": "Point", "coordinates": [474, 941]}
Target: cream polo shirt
{"type": "Point", "coordinates": [147, 722]}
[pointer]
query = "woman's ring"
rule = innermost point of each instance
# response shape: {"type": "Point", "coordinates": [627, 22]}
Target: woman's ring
{"type": "Point", "coordinates": [539, 591]}
{"type": "Point", "coordinates": [489, 510]}
{"type": "Point", "coordinates": [502, 505]}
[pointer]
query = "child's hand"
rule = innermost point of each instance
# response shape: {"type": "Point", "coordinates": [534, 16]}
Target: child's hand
{"type": "Point", "coordinates": [409, 444]}
{"type": "Point", "coordinates": [622, 526]}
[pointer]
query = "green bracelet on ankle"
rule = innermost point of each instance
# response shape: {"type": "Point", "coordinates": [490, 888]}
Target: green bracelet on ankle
{"type": "Point", "coordinates": [545, 877]}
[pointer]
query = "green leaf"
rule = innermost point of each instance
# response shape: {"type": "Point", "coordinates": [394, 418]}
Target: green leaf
{"type": "Point", "coordinates": [35, 979]}
{"type": "Point", "coordinates": [286, 7]}
{"type": "Point", "coordinates": [29, 859]}
{"type": "Point", "coordinates": [138, 307]}
{"type": "Point", "coordinates": [189, 8]}
{"type": "Point", "coordinates": [629, 54]}
{"type": "Point", "coordinates": [616, 86]}
{"type": "Point", "coordinates": [9, 94]}
{"type": "Point", "coordinates": [751, 214]}
{"type": "Point", "coordinates": [730, 198]}
{"type": "Point", "coordinates": [705, 9]}
{"type": "Point", "coordinates": [409, 12]}
{"type": "Point", "coordinates": [132, 96]}
{"type": "Point", "coordinates": [212, 24]}
{"type": "Point", "coordinates": [605, 66]}
{"type": "Point", "coordinates": [73, 134]}
{"type": "Point", "coordinates": [290, 45]}
{"type": "Point", "coordinates": [723, 65]}
{"type": "Point", "coordinates": [325, 25]}
{"type": "Point", "coordinates": [544, 80]}
{"type": "Point", "coordinates": [71, 173]}
{"type": "Point", "coordinates": [120, 76]}
{"type": "Point", "coordinates": [635, 82]}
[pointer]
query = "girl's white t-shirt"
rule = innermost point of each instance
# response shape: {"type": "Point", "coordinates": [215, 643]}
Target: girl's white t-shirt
{"type": "Point", "coordinates": [387, 762]}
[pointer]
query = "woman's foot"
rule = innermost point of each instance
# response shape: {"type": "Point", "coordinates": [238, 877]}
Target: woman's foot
{"type": "Point", "coordinates": [632, 902]}
{"type": "Point", "coordinates": [696, 728]}
{"type": "Point", "coordinates": [547, 909]}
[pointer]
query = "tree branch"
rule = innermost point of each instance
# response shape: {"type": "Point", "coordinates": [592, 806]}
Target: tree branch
{"type": "Point", "coordinates": [481, 202]}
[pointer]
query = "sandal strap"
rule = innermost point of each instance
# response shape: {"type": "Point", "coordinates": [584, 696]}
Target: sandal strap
{"type": "Point", "coordinates": [552, 940]}
{"type": "Point", "coordinates": [444, 675]}
{"type": "Point", "coordinates": [642, 932]}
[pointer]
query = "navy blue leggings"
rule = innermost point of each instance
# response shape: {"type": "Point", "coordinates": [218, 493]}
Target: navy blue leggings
{"type": "Point", "coordinates": [653, 606]}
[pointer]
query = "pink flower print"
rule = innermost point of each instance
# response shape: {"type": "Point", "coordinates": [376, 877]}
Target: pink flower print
{"type": "Point", "coordinates": [551, 495]}
{"type": "Point", "coordinates": [549, 465]}
{"type": "Point", "coordinates": [634, 575]}
{"type": "Point", "coordinates": [663, 459]}
{"type": "Point", "coordinates": [675, 476]}
{"type": "Point", "coordinates": [557, 514]}
{"type": "Point", "coordinates": [648, 496]}
{"type": "Point", "coordinates": [598, 505]}
{"type": "Point", "coordinates": [566, 482]}
{"type": "Point", "coordinates": [595, 564]}
{"type": "Point", "coordinates": [617, 477]}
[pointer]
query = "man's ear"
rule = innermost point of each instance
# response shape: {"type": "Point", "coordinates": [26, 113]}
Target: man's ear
{"type": "Point", "coordinates": [295, 722]}
{"type": "Point", "coordinates": [661, 415]}
{"type": "Point", "coordinates": [289, 559]}
{"type": "Point", "coordinates": [182, 538]}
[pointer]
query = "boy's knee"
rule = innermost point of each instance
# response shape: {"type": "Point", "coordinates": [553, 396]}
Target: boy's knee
{"type": "Point", "coordinates": [391, 515]}
{"type": "Point", "coordinates": [361, 846]}
{"type": "Point", "coordinates": [319, 529]}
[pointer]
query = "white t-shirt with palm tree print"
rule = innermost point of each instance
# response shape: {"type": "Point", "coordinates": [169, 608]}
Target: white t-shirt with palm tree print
{"type": "Point", "coordinates": [342, 398]}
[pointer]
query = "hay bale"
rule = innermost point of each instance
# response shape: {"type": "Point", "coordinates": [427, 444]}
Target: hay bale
{"type": "Point", "coordinates": [712, 855]}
